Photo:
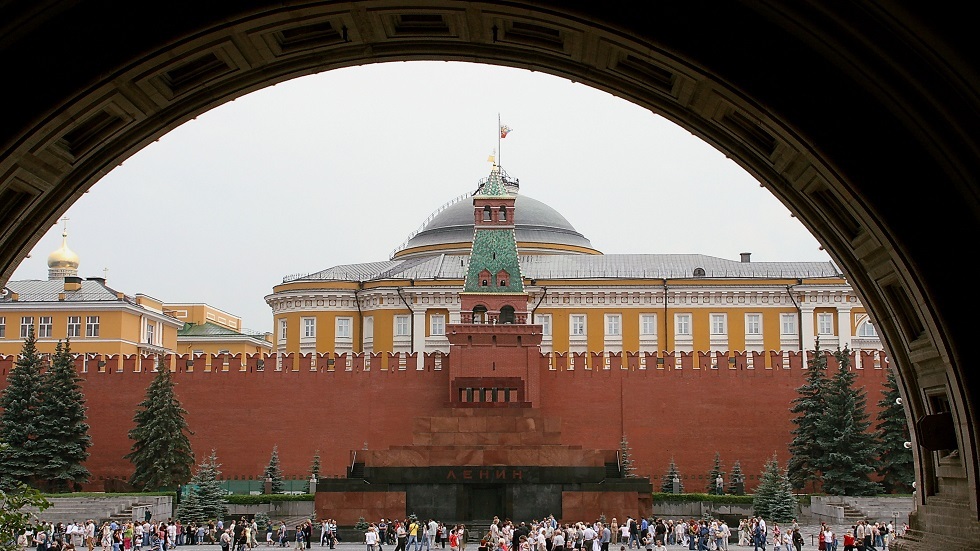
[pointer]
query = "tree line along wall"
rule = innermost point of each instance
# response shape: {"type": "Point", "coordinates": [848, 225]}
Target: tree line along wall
{"type": "Point", "coordinates": [682, 413]}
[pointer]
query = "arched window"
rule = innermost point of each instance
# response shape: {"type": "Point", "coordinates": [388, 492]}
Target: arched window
{"type": "Point", "coordinates": [507, 314]}
{"type": "Point", "coordinates": [503, 213]}
{"type": "Point", "coordinates": [698, 272]}
{"type": "Point", "coordinates": [479, 314]}
{"type": "Point", "coordinates": [867, 329]}
{"type": "Point", "coordinates": [487, 213]}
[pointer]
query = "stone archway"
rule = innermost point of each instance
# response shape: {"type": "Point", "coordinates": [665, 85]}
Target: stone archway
{"type": "Point", "coordinates": [861, 119]}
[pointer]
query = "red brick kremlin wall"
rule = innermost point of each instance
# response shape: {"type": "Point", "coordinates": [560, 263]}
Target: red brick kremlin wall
{"type": "Point", "coordinates": [681, 413]}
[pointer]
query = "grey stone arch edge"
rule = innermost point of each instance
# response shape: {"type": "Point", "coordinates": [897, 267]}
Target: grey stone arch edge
{"type": "Point", "coordinates": [861, 117]}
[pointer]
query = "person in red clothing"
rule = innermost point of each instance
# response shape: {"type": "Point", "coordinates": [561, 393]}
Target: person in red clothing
{"type": "Point", "coordinates": [849, 544]}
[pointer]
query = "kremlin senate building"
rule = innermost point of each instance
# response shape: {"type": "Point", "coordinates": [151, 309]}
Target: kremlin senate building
{"type": "Point", "coordinates": [492, 366]}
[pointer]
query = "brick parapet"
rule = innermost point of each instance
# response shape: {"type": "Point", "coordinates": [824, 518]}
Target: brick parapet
{"type": "Point", "coordinates": [683, 363]}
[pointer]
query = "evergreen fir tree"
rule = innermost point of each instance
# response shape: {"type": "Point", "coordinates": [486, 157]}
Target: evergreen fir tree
{"type": "Point", "coordinates": [161, 451]}
{"type": "Point", "coordinates": [208, 489]}
{"type": "Point", "coordinates": [783, 505]}
{"type": "Point", "coordinates": [62, 431]}
{"type": "Point", "coordinates": [273, 472]}
{"type": "Point", "coordinates": [315, 466]}
{"type": "Point", "coordinates": [20, 460]}
{"type": "Point", "coordinates": [667, 482]}
{"type": "Point", "coordinates": [712, 487]}
{"type": "Point", "coordinates": [626, 465]}
{"type": "Point", "coordinates": [765, 492]}
{"type": "Point", "coordinates": [189, 509]}
{"type": "Point", "coordinates": [810, 406]}
{"type": "Point", "coordinates": [736, 482]}
{"type": "Point", "coordinates": [895, 465]}
{"type": "Point", "coordinates": [843, 429]}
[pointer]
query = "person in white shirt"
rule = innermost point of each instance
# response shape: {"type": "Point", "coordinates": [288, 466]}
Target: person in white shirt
{"type": "Point", "coordinates": [371, 538]}
{"type": "Point", "coordinates": [588, 534]}
{"type": "Point", "coordinates": [90, 535]}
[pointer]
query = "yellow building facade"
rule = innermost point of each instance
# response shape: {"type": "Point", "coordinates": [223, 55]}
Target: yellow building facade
{"type": "Point", "coordinates": [584, 300]}
{"type": "Point", "coordinates": [97, 319]}
{"type": "Point", "coordinates": [92, 316]}
{"type": "Point", "coordinates": [208, 331]}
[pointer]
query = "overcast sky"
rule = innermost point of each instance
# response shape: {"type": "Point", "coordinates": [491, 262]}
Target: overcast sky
{"type": "Point", "coordinates": [341, 167]}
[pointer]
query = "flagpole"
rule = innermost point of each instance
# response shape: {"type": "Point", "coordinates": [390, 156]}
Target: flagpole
{"type": "Point", "coordinates": [498, 140]}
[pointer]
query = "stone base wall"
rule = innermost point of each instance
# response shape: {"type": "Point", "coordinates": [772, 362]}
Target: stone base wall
{"type": "Point", "coordinates": [347, 507]}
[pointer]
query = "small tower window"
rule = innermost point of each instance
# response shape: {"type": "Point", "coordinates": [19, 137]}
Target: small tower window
{"type": "Point", "coordinates": [503, 278]}
{"type": "Point", "coordinates": [487, 213]}
{"type": "Point", "coordinates": [507, 314]}
{"type": "Point", "coordinates": [503, 214]}
{"type": "Point", "coordinates": [484, 278]}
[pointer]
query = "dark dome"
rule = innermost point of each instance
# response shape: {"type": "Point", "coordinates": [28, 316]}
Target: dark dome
{"type": "Point", "coordinates": [539, 228]}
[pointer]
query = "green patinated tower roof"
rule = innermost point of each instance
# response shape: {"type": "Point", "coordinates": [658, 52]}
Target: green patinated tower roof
{"type": "Point", "coordinates": [494, 186]}
{"type": "Point", "coordinates": [494, 250]}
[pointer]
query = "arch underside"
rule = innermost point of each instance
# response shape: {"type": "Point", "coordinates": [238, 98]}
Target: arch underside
{"type": "Point", "coordinates": [860, 119]}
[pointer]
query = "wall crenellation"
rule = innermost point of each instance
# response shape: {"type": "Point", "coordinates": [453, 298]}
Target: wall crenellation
{"type": "Point", "coordinates": [393, 362]}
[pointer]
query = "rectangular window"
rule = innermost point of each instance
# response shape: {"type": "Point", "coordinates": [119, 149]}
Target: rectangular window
{"type": "Point", "coordinates": [74, 326]}
{"type": "Point", "coordinates": [614, 324]}
{"type": "Point", "coordinates": [648, 324]}
{"type": "Point", "coordinates": [44, 327]}
{"type": "Point", "coordinates": [309, 328]}
{"type": "Point", "coordinates": [718, 324]}
{"type": "Point", "coordinates": [682, 324]}
{"type": "Point", "coordinates": [403, 326]}
{"type": "Point", "coordinates": [437, 325]}
{"type": "Point", "coordinates": [825, 323]}
{"type": "Point", "coordinates": [753, 324]}
{"type": "Point", "coordinates": [3, 327]}
{"type": "Point", "coordinates": [343, 328]}
{"type": "Point", "coordinates": [26, 324]}
{"type": "Point", "coordinates": [787, 323]}
{"type": "Point", "coordinates": [150, 333]}
{"type": "Point", "coordinates": [577, 325]}
{"type": "Point", "coordinates": [545, 321]}
{"type": "Point", "coordinates": [282, 331]}
{"type": "Point", "coordinates": [91, 326]}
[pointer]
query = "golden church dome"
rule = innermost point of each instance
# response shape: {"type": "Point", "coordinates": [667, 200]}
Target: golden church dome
{"type": "Point", "coordinates": [63, 258]}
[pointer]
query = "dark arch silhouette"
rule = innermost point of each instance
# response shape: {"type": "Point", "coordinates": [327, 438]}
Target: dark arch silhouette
{"type": "Point", "coordinates": [859, 117]}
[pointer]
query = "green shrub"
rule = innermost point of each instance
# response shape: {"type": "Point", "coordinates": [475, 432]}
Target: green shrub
{"type": "Point", "coordinates": [660, 497]}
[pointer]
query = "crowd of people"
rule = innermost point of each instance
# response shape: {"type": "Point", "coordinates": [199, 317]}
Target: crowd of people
{"type": "Point", "coordinates": [863, 536]}
{"type": "Point", "coordinates": [238, 535]}
{"type": "Point", "coordinates": [427, 535]}
{"type": "Point", "coordinates": [648, 534]}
